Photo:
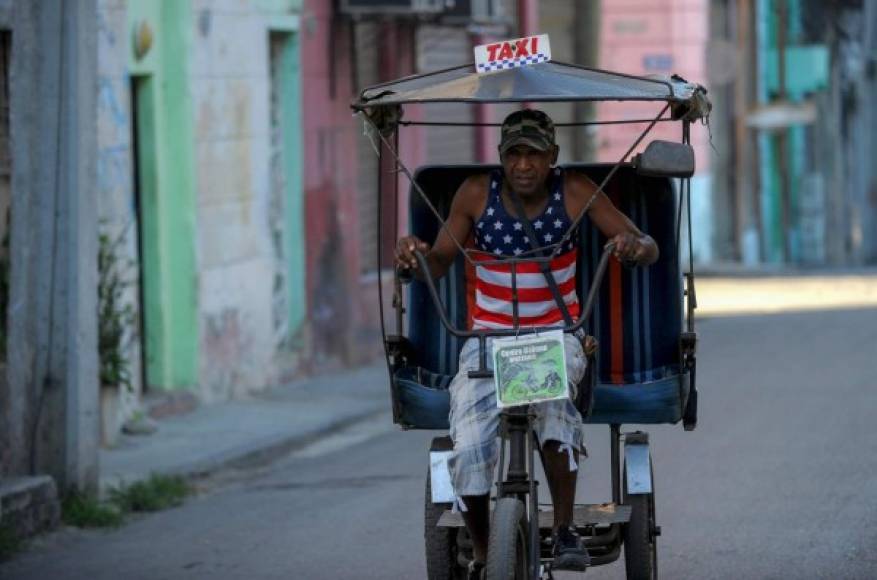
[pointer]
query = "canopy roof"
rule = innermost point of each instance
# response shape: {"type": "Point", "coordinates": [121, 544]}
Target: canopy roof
{"type": "Point", "coordinates": [547, 81]}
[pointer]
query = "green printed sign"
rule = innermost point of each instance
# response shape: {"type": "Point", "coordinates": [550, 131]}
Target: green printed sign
{"type": "Point", "coordinates": [530, 369]}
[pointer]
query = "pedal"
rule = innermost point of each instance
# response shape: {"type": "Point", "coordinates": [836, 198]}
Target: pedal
{"type": "Point", "coordinates": [589, 515]}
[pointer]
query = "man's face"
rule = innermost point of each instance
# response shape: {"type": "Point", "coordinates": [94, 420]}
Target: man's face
{"type": "Point", "coordinates": [526, 168]}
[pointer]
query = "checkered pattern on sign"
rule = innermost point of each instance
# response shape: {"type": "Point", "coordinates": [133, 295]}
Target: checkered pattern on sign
{"type": "Point", "coordinates": [512, 62]}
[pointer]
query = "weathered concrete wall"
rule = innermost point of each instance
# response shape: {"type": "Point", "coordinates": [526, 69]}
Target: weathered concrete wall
{"type": "Point", "coordinates": [29, 505]}
{"type": "Point", "coordinates": [214, 110]}
{"type": "Point", "coordinates": [274, 221]}
{"type": "Point", "coordinates": [230, 97]}
{"type": "Point", "coordinates": [52, 374]}
{"type": "Point", "coordinates": [115, 167]}
{"type": "Point", "coordinates": [16, 403]}
{"type": "Point", "coordinates": [249, 135]}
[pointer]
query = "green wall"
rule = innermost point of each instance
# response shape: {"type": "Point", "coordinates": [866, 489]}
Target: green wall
{"type": "Point", "coordinates": [807, 71]}
{"type": "Point", "coordinates": [167, 184]}
{"type": "Point", "coordinates": [291, 128]}
{"type": "Point", "coordinates": [282, 17]}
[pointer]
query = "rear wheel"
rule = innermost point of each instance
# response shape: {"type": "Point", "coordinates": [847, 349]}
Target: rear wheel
{"type": "Point", "coordinates": [507, 547]}
{"type": "Point", "coordinates": [442, 562]}
{"type": "Point", "coordinates": [640, 541]}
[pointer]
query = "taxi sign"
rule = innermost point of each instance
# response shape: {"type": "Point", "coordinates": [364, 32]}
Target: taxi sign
{"type": "Point", "coordinates": [505, 54]}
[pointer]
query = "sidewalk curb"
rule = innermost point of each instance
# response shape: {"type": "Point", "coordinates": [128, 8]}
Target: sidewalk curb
{"type": "Point", "coordinates": [271, 449]}
{"type": "Point", "coordinates": [252, 454]}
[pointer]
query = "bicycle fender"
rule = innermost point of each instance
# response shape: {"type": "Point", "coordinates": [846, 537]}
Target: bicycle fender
{"type": "Point", "coordinates": [440, 477]}
{"type": "Point", "coordinates": [638, 463]}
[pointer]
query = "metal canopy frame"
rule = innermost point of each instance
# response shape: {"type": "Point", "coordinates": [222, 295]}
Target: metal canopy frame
{"type": "Point", "coordinates": [381, 108]}
{"type": "Point", "coordinates": [550, 81]}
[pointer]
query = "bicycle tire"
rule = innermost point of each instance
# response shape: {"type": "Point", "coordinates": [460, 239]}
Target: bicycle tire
{"type": "Point", "coordinates": [507, 545]}
{"type": "Point", "coordinates": [640, 543]}
{"type": "Point", "coordinates": [440, 543]}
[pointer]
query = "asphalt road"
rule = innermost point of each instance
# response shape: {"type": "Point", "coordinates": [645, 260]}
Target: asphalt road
{"type": "Point", "coordinates": [778, 481]}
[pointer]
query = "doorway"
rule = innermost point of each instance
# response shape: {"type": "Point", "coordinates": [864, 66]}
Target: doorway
{"type": "Point", "coordinates": [144, 192]}
{"type": "Point", "coordinates": [287, 197]}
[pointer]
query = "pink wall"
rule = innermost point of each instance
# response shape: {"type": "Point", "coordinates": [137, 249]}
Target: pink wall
{"type": "Point", "coordinates": [647, 37]}
{"type": "Point", "coordinates": [338, 295]}
{"type": "Point", "coordinates": [330, 183]}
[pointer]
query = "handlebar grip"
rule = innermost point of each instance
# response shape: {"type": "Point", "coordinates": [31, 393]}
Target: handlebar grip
{"type": "Point", "coordinates": [405, 275]}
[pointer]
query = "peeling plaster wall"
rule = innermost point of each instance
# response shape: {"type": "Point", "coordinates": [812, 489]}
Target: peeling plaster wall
{"type": "Point", "coordinates": [231, 88]}
{"type": "Point", "coordinates": [227, 90]}
{"type": "Point", "coordinates": [235, 230]}
{"type": "Point", "coordinates": [116, 212]}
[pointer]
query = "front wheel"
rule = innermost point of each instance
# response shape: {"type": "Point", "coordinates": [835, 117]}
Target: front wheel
{"type": "Point", "coordinates": [507, 546]}
{"type": "Point", "coordinates": [640, 542]}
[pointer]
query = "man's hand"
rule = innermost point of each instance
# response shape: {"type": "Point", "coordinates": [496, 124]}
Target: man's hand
{"type": "Point", "coordinates": [631, 248]}
{"type": "Point", "coordinates": [405, 252]}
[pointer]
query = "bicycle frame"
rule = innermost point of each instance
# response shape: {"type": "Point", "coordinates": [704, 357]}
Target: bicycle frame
{"type": "Point", "coordinates": [519, 482]}
{"type": "Point", "coordinates": [516, 427]}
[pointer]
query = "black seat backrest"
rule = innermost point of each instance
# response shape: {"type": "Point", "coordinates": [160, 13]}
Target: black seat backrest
{"type": "Point", "coordinates": [438, 349]}
{"type": "Point", "coordinates": [637, 319]}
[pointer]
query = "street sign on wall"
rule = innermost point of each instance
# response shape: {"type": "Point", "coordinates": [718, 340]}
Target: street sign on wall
{"type": "Point", "coordinates": [781, 114]}
{"type": "Point", "coordinates": [382, 7]}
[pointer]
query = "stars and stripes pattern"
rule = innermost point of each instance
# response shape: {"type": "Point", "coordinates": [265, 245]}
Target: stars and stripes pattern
{"type": "Point", "coordinates": [497, 235]}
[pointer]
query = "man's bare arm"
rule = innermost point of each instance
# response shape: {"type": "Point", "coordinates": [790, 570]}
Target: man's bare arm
{"type": "Point", "coordinates": [439, 257]}
{"type": "Point", "coordinates": [631, 245]}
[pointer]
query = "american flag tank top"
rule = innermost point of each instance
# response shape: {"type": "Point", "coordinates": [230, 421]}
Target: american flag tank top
{"type": "Point", "coordinates": [500, 234]}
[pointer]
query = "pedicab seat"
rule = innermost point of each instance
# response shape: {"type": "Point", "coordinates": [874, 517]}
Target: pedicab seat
{"type": "Point", "coordinates": [637, 318]}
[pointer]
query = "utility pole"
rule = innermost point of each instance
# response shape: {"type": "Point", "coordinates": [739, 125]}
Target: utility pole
{"type": "Point", "coordinates": [485, 149]}
{"type": "Point", "coordinates": [528, 22]}
{"type": "Point", "coordinates": [72, 418]}
{"type": "Point", "coordinates": [748, 214]}
{"type": "Point", "coordinates": [528, 17]}
{"type": "Point", "coordinates": [587, 52]}
{"type": "Point", "coordinates": [869, 102]}
{"type": "Point", "coordinates": [783, 135]}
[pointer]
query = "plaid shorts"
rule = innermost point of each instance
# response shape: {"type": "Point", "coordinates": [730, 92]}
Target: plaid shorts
{"type": "Point", "coordinates": [474, 418]}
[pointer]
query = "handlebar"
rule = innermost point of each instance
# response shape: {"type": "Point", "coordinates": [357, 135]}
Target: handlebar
{"type": "Point", "coordinates": [483, 334]}
{"type": "Point", "coordinates": [583, 317]}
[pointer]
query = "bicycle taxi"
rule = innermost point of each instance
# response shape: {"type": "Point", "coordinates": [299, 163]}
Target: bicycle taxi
{"type": "Point", "coordinates": [643, 369]}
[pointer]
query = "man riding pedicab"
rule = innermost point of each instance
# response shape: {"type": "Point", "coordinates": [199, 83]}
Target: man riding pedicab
{"type": "Point", "coordinates": [491, 204]}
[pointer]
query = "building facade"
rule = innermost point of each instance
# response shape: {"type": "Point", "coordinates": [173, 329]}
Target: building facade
{"type": "Point", "coordinates": [796, 92]}
{"type": "Point", "coordinates": [48, 361]}
{"type": "Point", "coordinates": [210, 147]}
{"type": "Point", "coordinates": [201, 190]}
{"type": "Point", "coordinates": [240, 192]}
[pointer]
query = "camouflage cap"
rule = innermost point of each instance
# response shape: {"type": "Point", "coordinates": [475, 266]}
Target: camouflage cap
{"type": "Point", "coordinates": [527, 127]}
